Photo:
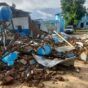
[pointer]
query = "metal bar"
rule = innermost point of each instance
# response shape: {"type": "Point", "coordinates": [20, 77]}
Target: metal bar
{"type": "Point", "coordinates": [64, 39]}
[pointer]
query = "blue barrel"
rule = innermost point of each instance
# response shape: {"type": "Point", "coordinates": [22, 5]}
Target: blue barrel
{"type": "Point", "coordinates": [44, 50]}
{"type": "Point", "coordinates": [5, 13]}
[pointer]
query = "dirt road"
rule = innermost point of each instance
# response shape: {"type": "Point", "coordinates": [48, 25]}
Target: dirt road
{"type": "Point", "coordinates": [63, 79]}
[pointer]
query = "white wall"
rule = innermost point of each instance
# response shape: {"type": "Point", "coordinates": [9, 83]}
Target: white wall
{"type": "Point", "coordinates": [22, 21]}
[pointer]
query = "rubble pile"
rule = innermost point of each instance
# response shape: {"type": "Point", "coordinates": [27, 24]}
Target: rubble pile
{"type": "Point", "coordinates": [27, 60]}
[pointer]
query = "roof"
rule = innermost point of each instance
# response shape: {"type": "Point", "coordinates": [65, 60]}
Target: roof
{"type": "Point", "coordinates": [4, 4]}
{"type": "Point", "coordinates": [19, 13]}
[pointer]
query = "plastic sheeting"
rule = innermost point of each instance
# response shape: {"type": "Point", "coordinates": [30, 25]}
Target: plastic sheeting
{"type": "Point", "coordinates": [10, 58]}
{"type": "Point", "coordinates": [64, 48]}
{"type": "Point", "coordinates": [50, 63]}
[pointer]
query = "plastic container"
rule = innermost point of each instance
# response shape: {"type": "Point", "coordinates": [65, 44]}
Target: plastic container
{"type": "Point", "coordinates": [44, 50]}
{"type": "Point", "coordinates": [10, 58]}
{"type": "Point", "coordinates": [5, 13]}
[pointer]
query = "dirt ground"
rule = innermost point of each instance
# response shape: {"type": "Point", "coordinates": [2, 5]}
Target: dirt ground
{"type": "Point", "coordinates": [67, 78]}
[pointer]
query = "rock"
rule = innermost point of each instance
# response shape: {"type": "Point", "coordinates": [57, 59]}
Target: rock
{"type": "Point", "coordinates": [60, 78]}
{"type": "Point", "coordinates": [77, 70]}
{"type": "Point", "coordinates": [41, 85]}
{"type": "Point", "coordinates": [23, 61]}
{"type": "Point", "coordinates": [84, 56]}
{"type": "Point", "coordinates": [8, 80]}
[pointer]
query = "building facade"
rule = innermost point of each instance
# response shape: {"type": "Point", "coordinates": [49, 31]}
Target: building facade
{"type": "Point", "coordinates": [56, 24]}
{"type": "Point", "coordinates": [83, 23]}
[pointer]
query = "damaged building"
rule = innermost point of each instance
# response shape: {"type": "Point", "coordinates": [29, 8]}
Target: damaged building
{"type": "Point", "coordinates": [23, 22]}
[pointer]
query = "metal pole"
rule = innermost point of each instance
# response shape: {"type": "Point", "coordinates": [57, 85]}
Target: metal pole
{"type": "Point", "coordinates": [64, 39]}
{"type": "Point", "coordinates": [4, 35]}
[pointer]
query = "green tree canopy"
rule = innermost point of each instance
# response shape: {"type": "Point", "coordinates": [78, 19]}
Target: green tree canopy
{"type": "Point", "coordinates": [73, 10]}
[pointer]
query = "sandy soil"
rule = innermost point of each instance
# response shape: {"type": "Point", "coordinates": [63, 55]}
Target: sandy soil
{"type": "Point", "coordinates": [71, 79]}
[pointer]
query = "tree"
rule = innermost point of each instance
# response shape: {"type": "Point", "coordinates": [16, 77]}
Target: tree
{"type": "Point", "coordinates": [73, 10]}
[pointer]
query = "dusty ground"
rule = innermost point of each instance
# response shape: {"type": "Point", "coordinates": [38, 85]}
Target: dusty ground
{"type": "Point", "coordinates": [71, 79]}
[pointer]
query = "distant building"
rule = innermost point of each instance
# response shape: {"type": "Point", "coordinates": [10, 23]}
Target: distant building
{"type": "Point", "coordinates": [48, 26]}
{"type": "Point", "coordinates": [83, 23]}
{"type": "Point", "coordinates": [23, 20]}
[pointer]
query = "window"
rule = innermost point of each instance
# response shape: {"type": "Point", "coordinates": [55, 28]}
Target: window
{"type": "Point", "coordinates": [86, 23]}
{"type": "Point", "coordinates": [82, 25]}
{"type": "Point", "coordinates": [19, 28]}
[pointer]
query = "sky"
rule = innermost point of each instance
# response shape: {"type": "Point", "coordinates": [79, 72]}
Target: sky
{"type": "Point", "coordinates": [86, 4]}
{"type": "Point", "coordinates": [31, 5]}
{"type": "Point", "coordinates": [36, 4]}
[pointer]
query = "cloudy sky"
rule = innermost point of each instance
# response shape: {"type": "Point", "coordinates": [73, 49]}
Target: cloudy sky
{"type": "Point", "coordinates": [30, 5]}
{"type": "Point", "coordinates": [86, 4]}
{"type": "Point", "coordinates": [36, 4]}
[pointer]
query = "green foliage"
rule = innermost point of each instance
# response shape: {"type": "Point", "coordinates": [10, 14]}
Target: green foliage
{"type": "Point", "coordinates": [73, 10]}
